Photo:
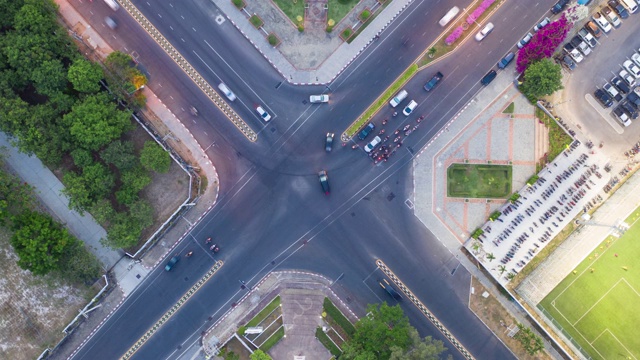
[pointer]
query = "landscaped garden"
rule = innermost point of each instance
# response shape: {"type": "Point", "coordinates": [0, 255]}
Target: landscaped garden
{"type": "Point", "coordinates": [340, 329]}
{"type": "Point", "coordinates": [479, 181]}
{"type": "Point", "coordinates": [291, 8]}
{"type": "Point", "coordinates": [559, 140]}
{"type": "Point", "coordinates": [338, 9]}
{"type": "Point", "coordinates": [270, 320]}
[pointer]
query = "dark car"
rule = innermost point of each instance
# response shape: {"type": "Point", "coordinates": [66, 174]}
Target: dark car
{"type": "Point", "coordinates": [171, 263]}
{"type": "Point", "coordinates": [621, 85]}
{"type": "Point", "coordinates": [603, 97]}
{"type": "Point", "coordinates": [324, 181]}
{"type": "Point", "coordinates": [365, 132]}
{"type": "Point", "coordinates": [630, 109]}
{"type": "Point", "coordinates": [390, 290]}
{"type": "Point", "coordinates": [506, 60]}
{"type": "Point", "coordinates": [634, 99]}
{"type": "Point", "coordinates": [487, 79]}
{"type": "Point", "coordinates": [559, 6]}
{"type": "Point", "coordinates": [328, 144]}
{"type": "Point", "coordinates": [568, 62]}
{"type": "Point", "coordinates": [619, 9]}
{"type": "Point", "coordinates": [434, 81]}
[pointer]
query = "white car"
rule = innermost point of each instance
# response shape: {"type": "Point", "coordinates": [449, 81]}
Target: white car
{"type": "Point", "coordinates": [636, 58]}
{"type": "Point", "coordinates": [398, 98]}
{"type": "Point", "coordinates": [372, 145]}
{"type": "Point", "coordinates": [602, 22]}
{"type": "Point", "coordinates": [615, 20]}
{"type": "Point", "coordinates": [263, 113]}
{"type": "Point", "coordinates": [225, 90]}
{"type": "Point", "coordinates": [314, 99]}
{"type": "Point", "coordinates": [412, 105]}
{"type": "Point", "coordinates": [542, 24]}
{"type": "Point", "coordinates": [484, 32]}
{"type": "Point", "coordinates": [611, 90]}
{"type": "Point", "coordinates": [626, 77]}
{"type": "Point", "coordinates": [576, 55]}
{"type": "Point", "coordinates": [525, 40]}
{"type": "Point", "coordinates": [632, 68]}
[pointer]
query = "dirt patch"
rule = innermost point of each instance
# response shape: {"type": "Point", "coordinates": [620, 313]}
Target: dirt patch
{"type": "Point", "coordinates": [498, 319]}
{"type": "Point", "coordinates": [33, 310]}
{"type": "Point", "coordinates": [237, 348]}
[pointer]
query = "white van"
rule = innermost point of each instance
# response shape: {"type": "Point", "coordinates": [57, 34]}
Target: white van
{"type": "Point", "coordinates": [631, 5]}
{"type": "Point", "coordinates": [398, 98]}
{"type": "Point", "coordinates": [112, 4]}
{"type": "Point", "coordinates": [450, 15]}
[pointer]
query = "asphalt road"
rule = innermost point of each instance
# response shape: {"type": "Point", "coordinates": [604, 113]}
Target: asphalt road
{"type": "Point", "coordinates": [271, 212]}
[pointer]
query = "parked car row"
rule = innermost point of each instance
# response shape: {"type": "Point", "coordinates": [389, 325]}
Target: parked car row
{"type": "Point", "coordinates": [623, 90]}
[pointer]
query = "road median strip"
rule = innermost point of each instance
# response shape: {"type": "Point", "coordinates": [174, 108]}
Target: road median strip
{"type": "Point", "coordinates": [190, 71]}
{"type": "Point", "coordinates": [149, 333]}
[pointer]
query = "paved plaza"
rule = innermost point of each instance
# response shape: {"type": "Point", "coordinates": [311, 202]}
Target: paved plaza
{"type": "Point", "coordinates": [481, 134]}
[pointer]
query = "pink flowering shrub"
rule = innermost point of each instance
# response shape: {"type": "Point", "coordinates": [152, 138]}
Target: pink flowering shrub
{"type": "Point", "coordinates": [455, 34]}
{"type": "Point", "coordinates": [544, 43]}
{"type": "Point", "coordinates": [479, 11]}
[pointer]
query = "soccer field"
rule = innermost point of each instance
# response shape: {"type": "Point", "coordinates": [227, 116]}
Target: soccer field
{"type": "Point", "coordinates": [599, 303]}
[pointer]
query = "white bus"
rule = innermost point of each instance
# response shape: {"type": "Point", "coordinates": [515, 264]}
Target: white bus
{"type": "Point", "coordinates": [449, 16]}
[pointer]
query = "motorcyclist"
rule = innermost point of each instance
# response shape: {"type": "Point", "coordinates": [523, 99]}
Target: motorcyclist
{"type": "Point", "coordinates": [189, 254]}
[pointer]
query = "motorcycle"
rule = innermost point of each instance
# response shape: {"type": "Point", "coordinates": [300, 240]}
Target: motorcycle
{"type": "Point", "coordinates": [355, 146]}
{"type": "Point", "coordinates": [214, 248]}
{"type": "Point", "coordinates": [384, 122]}
{"type": "Point", "coordinates": [189, 254]}
{"type": "Point", "coordinates": [406, 127]}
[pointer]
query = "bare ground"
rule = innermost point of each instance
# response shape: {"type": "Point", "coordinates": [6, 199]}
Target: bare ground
{"type": "Point", "coordinates": [497, 318]}
{"type": "Point", "coordinates": [33, 310]}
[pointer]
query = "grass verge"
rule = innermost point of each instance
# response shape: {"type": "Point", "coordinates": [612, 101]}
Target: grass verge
{"type": "Point", "coordinates": [337, 316]}
{"type": "Point", "coordinates": [265, 312]}
{"type": "Point", "coordinates": [510, 109]}
{"type": "Point", "coordinates": [291, 8]}
{"type": "Point", "coordinates": [338, 9]}
{"type": "Point", "coordinates": [277, 336]}
{"type": "Point", "coordinates": [479, 181]}
{"type": "Point", "coordinates": [326, 341]}
{"type": "Point", "coordinates": [382, 100]}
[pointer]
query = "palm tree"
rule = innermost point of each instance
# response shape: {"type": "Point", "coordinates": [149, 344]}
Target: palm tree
{"type": "Point", "coordinates": [511, 275]}
{"type": "Point", "coordinates": [490, 257]}
{"type": "Point", "coordinates": [432, 52]}
{"type": "Point", "coordinates": [502, 269]}
{"type": "Point", "coordinates": [476, 247]}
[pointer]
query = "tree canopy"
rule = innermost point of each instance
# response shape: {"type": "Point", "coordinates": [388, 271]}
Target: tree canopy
{"type": "Point", "coordinates": [260, 355]}
{"type": "Point", "coordinates": [154, 157]}
{"type": "Point", "coordinates": [544, 77]}
{"type": "Point", "coordinates": [39, 242]}
{"type": "Point", "coordinates": [85, 76]}
{"type": "Point", "coordinates": [544, 43]}
{"type": "Point", "coordinates": [385, 333]}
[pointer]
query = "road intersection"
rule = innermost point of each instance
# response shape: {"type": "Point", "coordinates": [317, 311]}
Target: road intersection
{"type": "Point", "coordinates": [271, 213]}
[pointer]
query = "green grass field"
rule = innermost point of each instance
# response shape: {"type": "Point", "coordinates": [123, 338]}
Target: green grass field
{"type": "Point", "coordinates": [479, 181]}
{"type": "Point", "coordinates": [598, 303]}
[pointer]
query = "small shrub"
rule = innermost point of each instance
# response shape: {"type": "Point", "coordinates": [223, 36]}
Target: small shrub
{"type": "Point", "coordinates": [365, 14]}
{"type": "Point", "coordinates": [273, 40]}
{"type": "Point", "coordinates": [238, 3]}
{"type": "Point", "coordinates": [330, 24]}
{"type": "Point", "coordinates": [256, 21]}
{"type": "Point", "coordinates": [301, 27]}
{"type": "Point", "coordinates": [346, 33]}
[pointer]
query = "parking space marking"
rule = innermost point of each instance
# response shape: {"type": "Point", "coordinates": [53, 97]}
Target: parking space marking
{"type": "Point", "coordinates": [605, 115]}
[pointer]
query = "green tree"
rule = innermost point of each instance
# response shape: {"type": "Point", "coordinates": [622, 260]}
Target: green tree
{"type": "Point", "coordinates": [36, 17]}
{"type": "Point", "coordinates": [544, 77]}
{"type": "Point", "coordinates": [78, 265]}
{"type": "Point", "coordinates": [50, 77]}
{"type": "Point", "coordinates": [260, 355]}
{"type": "Point", "coordinates": [419, 349]}
{"type": "Point", "coordinates": [103, 211]}
{"type": "Point", "coordinates": [378, 334]}
{"type": "Point", "coordinates": [133, 181]}
{"type": "Point", "coordinates": [154, 157]}
{"type": "Point", "coordinates": [85, 76]}
{"type": "Point", "coordinates": [96, 122]}
{"type": "Point", "coordinates": [39, 242]}
{"type": "Point", "coordinates": [15, 196]}
{"type": "Point", "coordinates": [9, 10]}
{"type": "Point", "coordinates": [531, 342]}
{"type": "Point", "coordinates": [95, 183]}
{"type": "Point", "coordinates": [120, 154]}
{"type": "Point", "coordinates": [82, 157]}
{"type": "Point", "coordinates": [123, 233]}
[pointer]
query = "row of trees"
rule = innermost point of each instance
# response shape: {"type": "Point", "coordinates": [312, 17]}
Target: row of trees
{"type": "Point", "coordinates": [53, 105]}
{"type": "Point", "coordinates": [43, 245]}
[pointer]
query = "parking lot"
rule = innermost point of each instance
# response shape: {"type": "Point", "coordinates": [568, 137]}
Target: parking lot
{"type": "Point", "coordinates": [577, 105]}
